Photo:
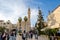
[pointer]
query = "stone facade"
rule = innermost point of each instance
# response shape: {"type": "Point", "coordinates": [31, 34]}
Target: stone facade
{"type": "Point", "coordinates": [7, 24]}
{"type": "Point", "coordinates": [28, 24]}
{"type": "Point", "coordinates": [54, 18]}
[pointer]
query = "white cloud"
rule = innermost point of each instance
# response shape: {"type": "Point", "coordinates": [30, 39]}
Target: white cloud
{"type": "Point", "coordinates": [12, 9]}
{"type": "Point", "coordinates": [2, 16]}
{"type": "Point", "coordinates": [34, 15]}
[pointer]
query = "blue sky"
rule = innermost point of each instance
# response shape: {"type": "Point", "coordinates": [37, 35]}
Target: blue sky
{"type": "Point", "coordinates": [13, 9]}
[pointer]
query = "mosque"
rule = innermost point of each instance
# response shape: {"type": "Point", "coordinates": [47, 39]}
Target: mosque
{"type": "Point", "coordinates": [28, 23]}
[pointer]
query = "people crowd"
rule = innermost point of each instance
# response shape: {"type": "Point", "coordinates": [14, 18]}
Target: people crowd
{"type": "Point", "coordinates": [8, 36]}
{"type": "Point", "coordinates": [53, 38]}
{"type": "Point", "coordinates": [29, 35]}
{"type": "Point", "coordinates": [12, 35]}
{"type": "Point", "coordinates": [4, 36]}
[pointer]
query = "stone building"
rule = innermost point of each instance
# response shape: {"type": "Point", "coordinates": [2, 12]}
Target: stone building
{"type": "Point", "coordinates": [8, 25]}
{"type": "Point", "coordinates": [28, 24]}
{"type": "Point", "coordinates": [54, 18]}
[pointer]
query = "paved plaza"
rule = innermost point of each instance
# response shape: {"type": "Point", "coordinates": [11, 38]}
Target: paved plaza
{"type": "Point", "coordinates": [39, 38]}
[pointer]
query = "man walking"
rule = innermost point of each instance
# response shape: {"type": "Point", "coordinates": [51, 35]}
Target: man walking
{"type": "Point", "coordinates": [36, 34]}
{"type": "Point", "coordinates": [24, 36]}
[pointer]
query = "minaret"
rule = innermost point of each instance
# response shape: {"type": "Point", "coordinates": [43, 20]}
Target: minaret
{"type": "Point", "coordinates": [29, 14]}
{"type": "Point", "coordinates": [29, 23]}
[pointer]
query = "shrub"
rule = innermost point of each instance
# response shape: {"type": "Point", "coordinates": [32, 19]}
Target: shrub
{"type": "Point", "coordinates": [2, 29]}
{"type": "Point", "coordinates": [51, 31]}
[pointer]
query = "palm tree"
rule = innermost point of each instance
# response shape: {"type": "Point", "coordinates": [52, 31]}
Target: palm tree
{"type": "Point", "coordinates": [20, 19]}
{"type": "Point", "coordinates": [25, 19]}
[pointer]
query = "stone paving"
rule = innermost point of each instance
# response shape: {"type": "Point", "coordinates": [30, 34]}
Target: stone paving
{"type": "Point", "coordinates": [39, 38]}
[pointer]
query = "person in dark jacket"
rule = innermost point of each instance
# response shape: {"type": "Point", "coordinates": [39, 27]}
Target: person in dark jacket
{"type": "Point", "coordinates": [4, 36]}
{"type": "Point", "coordinates": [0, 36]}
{"type": "Point", "coordinates": [24, 36]}
{"type": "Point", "coordinates": [31, 34]}
{"type": "Point", "coordinates": [7, 36]}
{"type": "Point", "coordinates": [36, 34]}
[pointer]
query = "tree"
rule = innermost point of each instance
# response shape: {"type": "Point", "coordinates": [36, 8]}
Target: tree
{"type": "Point", "coordinates": [40, 21]}
{"type": "Point", "coordinates": [25, 19]}
{"type": "Point", "coordinates": [2, 29]}
{"type": "Point", "coordinates": [20, 19]}
{"type": "Point", "coordinates": [51, 31]}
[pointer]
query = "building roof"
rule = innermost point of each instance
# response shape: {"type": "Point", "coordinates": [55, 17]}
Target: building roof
{"type": "Point", "coordinates": [56, 8]}
{"type": "Point", "coordinates": [53, 10]}
{"type": "Point", "coordinates": [1, 20]}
